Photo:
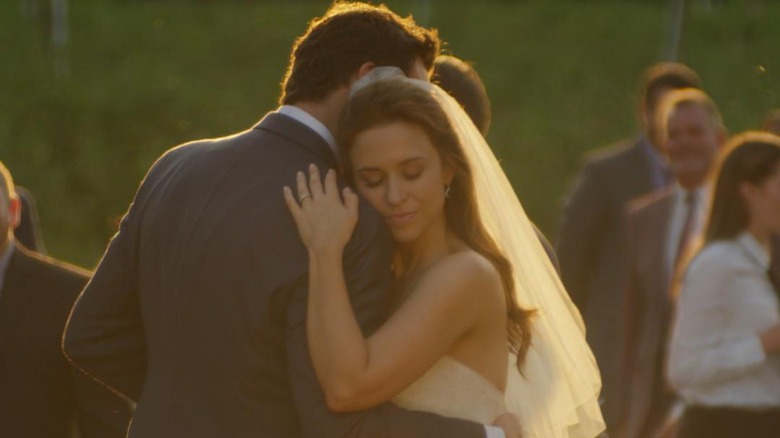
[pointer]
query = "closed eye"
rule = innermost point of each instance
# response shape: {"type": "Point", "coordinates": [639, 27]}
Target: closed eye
{"type": "Point", "coordinates": [371, 177]}
{"type": "Point", "coordinates": [411, 176]}
{"type": "Point", "coordinates": [372, 183]}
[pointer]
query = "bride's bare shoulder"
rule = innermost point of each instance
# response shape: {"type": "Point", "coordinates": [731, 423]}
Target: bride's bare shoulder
{"type": "Point", "coordinates": [470, 264]}
{"type": "Point", "coordinates": [464, 274]}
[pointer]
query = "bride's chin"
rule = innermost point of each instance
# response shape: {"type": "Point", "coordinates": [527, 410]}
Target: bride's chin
{"type": "Point", "coordinates": [403, 236]}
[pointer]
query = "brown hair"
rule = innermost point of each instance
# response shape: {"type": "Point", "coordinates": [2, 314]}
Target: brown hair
{"type": "Point", "coordinates": [462, 82]}
{"type": "Point", "coordinates": [350, 34]}
{"type": "Point", "coordinates": [393, 100]}
{"type": "Point", "coordinates": [750, 157]}
{"type": "Point", "coordinates": [666, 75]}
{"type": "Point", "coordinates": [772, 122]}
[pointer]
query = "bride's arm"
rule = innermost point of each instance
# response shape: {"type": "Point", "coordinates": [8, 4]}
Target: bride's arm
{"type": "Point", "coordinates": [357, 373]}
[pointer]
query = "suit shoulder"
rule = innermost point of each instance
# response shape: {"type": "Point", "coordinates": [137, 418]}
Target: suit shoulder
{"type": "Point", "coordinates": [51, 269]}
{"type": "Point", "coordinates": [204, 146]}
{"type": "Point", "coordinates": [649, 201]}
{"type": "Point", "coordinates": [199, 146]}
{"type": "Point", "coordinates": [610, 155]}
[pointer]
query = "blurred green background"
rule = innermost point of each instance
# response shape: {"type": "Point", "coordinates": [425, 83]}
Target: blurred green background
{"type": "Point", "coordinates": [80, 126]}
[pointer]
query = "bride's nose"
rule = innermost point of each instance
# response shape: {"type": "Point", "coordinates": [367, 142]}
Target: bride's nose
{"type": "Point", "coordinates": [394, 192]}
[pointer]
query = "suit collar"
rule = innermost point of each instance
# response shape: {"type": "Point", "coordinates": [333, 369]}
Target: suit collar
{"type": "Point", "coordinates": [300, 134]}
{"type": "Point", "coordinates": [16, 296]}
{"type": "Point", "coordinates": [656, 167]}
{"type": "Point", "coordinates": [754, 249]}
{"type": "Point", "coordinates": [663, 212]}
{"type": "Point", "coordinates": [311, 122]}
{"type": "Point", "coordinates": [643, 143]}
{"type": "Point", "coordinates": [702, 194]}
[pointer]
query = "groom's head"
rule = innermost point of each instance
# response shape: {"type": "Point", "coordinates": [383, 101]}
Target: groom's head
{"type": "Point", "coordinates": [335, 46]}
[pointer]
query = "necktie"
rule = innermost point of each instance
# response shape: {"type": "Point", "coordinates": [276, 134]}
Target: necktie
{"type": "Point", "coordinates": [687, 230]}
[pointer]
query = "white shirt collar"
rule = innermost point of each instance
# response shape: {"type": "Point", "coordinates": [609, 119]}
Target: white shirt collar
{"type": "Point", "coordinates": [311, 122]}
{"type": "Point", "coordinates": [758, 252]}
{"type": "Point", "coordinates": [702, 193]}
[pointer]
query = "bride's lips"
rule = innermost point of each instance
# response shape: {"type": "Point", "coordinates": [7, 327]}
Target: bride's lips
{"type": "Point", "coordinates": [401, 218]}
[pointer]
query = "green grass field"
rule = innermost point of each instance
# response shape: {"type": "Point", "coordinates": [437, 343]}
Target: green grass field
{"type": "Point", "coordinates": [144, 76]}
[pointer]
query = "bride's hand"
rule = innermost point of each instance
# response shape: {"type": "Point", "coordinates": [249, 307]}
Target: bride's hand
{"type": "Point", "coordinates": [324, 222]}
{"type": "Point", "coordinates": [510, 424]}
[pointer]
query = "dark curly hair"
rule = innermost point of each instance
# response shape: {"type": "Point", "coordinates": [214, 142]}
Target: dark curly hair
{"type": "Point", "coordinates": [347, 36]}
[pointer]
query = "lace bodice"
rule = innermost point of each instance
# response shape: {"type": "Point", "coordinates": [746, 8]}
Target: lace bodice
{"type": "Point", "coordinates": [452, 389]}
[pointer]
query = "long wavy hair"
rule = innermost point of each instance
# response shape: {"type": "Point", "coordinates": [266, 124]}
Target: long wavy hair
{"type": "Point", "coordinates": [750, 157]}
{"type": "Point", "coordinates": [393, 100]}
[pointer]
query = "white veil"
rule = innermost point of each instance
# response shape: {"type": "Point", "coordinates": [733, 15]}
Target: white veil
{"type": "Point", "coordinates": [558, 396]}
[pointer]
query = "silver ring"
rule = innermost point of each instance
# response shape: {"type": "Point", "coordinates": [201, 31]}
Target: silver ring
{"type": "Point", "coordinates": [302, 197]}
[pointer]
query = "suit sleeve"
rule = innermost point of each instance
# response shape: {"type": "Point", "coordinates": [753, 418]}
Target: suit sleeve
{"type": "Point", "coordinates": [581, 228]}
{"type": "Point", "coordinates": [367, 269]}
{"type": "Point", "coordinates": [633, 313]}
{"type": "Point", "coordinates": [99, 413]}
{"type": "Point", "coordinates": [104, 336]}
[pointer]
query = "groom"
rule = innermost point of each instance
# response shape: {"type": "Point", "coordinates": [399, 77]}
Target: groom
{"type": "Point", "coordinates": [197, 311]}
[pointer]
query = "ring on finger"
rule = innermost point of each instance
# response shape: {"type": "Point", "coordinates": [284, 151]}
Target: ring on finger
{"type": "Point", "coordinates": [303, 197]}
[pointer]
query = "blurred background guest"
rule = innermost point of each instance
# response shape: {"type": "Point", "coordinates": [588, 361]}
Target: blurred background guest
{"type": "Point", "coordinates": [772, 122]}
{"type": "Point", "coordinates": [723, 357]}
{"type": "Point", "coordinates": [660, 228]}
{"type": "Point", "coordinates": [28, 233]}
{"type": "Point", "coordinates": [592, 230]}
{"type": "Point", "coordinates": [461, 81]}
{"type": "Point", "coordinates": [41, 394]}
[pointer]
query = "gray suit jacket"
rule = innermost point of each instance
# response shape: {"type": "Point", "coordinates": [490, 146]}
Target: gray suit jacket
{"type": "Point", "coordinates": [591, 253]}
{"type": "Point", "coordinates": [198, 309]}
{"type": "Point", "coordinates": [648, 312]}
{"type": "Point", "coordinates": [41, 394]}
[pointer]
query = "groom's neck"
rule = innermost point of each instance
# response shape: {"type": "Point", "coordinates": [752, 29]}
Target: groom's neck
{"type": "Point", "coordinates": [329, 110]}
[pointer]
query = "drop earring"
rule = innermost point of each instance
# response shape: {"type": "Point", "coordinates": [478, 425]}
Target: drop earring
{"type": "Point", "coordinates": [447, 191]}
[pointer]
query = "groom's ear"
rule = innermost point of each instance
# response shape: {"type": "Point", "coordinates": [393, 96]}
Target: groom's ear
{"type": "Point", "coordinates": [363, 70]}
{"type": "Point", "coordinates": [14, 211]}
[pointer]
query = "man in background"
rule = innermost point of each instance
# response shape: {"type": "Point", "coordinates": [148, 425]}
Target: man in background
{"type": "Point", "coordinates": [41, 394]}
{"type": "Point", "coordinates": [772, 122]}
{"type": "Point", "coordinates": [661, 228]}
{"type": "Point", "coordinates": [28, 233]}
{"type": "Point", "coordinates": [593, 223]}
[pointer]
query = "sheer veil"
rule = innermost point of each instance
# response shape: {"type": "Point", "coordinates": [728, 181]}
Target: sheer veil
{"type": "Point", "coordinates": [558, 395]}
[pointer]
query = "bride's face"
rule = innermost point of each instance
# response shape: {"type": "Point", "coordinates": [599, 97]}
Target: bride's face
{"type": "Point", "coordinates": [398, 170]}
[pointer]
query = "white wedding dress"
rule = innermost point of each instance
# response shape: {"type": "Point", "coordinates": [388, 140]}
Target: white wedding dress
{"type": "Point", "coordinates": [452, 389]}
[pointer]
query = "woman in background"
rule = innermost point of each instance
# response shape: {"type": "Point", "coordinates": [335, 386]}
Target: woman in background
{"type": "Point", "coordinates": [723, 357]}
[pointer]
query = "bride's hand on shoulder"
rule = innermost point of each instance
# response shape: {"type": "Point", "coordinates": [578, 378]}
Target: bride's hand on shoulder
{"type": "Point", "coordinates": [510, 424]}
{"type": "Point", "coordinates": [324, 221]}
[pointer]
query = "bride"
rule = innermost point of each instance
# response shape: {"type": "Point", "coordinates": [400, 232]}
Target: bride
{"type": "Point", "coordinates": [481, 324]}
